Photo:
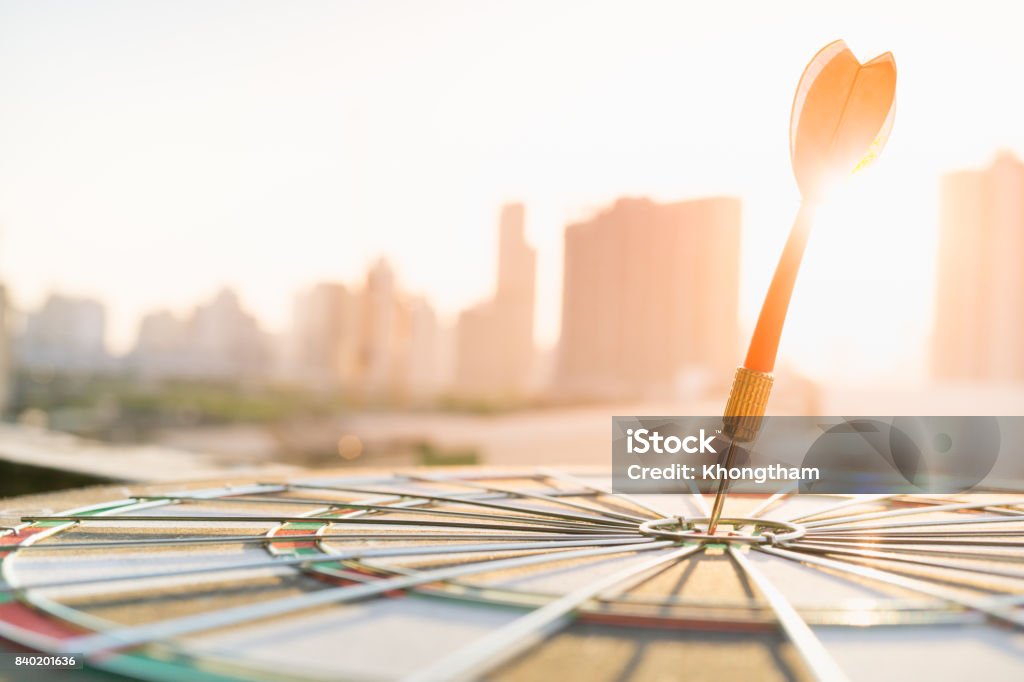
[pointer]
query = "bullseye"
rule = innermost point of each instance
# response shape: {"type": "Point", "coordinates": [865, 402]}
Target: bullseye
{"type": "Point", "coordinates": [762, 531]}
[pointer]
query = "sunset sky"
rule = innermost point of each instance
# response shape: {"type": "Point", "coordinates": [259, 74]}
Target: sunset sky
{"type": "Point", "coordinates": [151, 152]}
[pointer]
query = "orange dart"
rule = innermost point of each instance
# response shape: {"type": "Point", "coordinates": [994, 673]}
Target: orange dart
{"type": "Point", "coordinates": [842, 114]}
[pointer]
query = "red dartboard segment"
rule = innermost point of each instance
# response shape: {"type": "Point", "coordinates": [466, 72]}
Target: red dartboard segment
{"type": "Point", "coordinates": [23, 617]}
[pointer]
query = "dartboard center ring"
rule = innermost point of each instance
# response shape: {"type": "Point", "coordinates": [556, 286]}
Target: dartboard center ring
{"type": "Point", "coordinates": [694, 529]}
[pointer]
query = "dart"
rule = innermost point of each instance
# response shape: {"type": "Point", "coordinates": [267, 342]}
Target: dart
{"type": "Point", "coordinates": [842, 114]}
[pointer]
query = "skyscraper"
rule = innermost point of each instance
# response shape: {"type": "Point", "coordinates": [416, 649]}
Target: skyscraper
{"type": "Point", "coordinates": [375, 342]}
{"type": "Point", "coordinates": [325, 333]}
{"type": "Point", "coordinates": [424, 370]}
{"type": "Point", "coordinates": [376, 367]}
{"type": "Point", "coordinates": [162, 346]}
{"type": "Point", "coordinates": [227, 340]}
{"type": "Point", "coordinates": [219, 340]}
{"type": "Point", "coordinates": [513, 300]}
{"type": "Point", "coordinates": [67, 334]}
{"type": "Point", "coordinates": [979, 317]}
{"type": "Point", "coordinates": [650, 292]}
{"type": "Point", "coordinates": [494, 338]}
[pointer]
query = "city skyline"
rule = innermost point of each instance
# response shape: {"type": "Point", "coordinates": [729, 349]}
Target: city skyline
{"type": "Point", "coordinates": [967, 199]}
{"type": "Point", "coordinates": [152, 159]}
{"type": "Point", "coordinates": [637, 260]}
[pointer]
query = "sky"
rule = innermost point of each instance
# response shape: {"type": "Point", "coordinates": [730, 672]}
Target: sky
{"type": "Point", "coordinates": [152, 152]}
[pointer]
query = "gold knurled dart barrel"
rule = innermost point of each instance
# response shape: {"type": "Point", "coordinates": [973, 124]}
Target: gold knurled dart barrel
{"type": "Point", "coordinates": [748, 401]}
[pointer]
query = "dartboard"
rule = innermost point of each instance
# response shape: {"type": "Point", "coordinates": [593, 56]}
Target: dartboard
{"type": "Point", "coordinates": [518, 575]}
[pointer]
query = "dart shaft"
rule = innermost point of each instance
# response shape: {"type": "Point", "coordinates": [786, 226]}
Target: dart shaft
{"type": "Point", "coordinates": [764, 344]}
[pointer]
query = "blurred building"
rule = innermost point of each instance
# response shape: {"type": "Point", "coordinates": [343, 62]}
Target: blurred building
{"type": "Point", "coordinates": [398, 342]}
{"type": "Point", "coordinates": [376, 367]}
{"type": "Point", "coordinates": [979, 317]}
{"type": "Point", "coordinates": [325, 329]}
{"type": "Point", "coordinates": [66, 335]}
{"type": "Point", "coordinates": [650, 299]}
{"type": "Point", "coordinates": [495, 352]}
{"type": "Point", "coordinates": [226, 340]}
{"type": "Point", "coordinates": [375, 342]}
{"type": "Point", "coordinates": [6, 350]}
{"type": "Point", "coordinates": [425, 369]}
{"type": "Point", "coordinates": [219, 340]}
{"type": "Point", "coordinates": [162, 346]}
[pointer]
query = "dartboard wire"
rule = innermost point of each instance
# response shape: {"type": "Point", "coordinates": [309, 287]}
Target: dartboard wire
{"type": "Point", "coordinates": [575, 521]}
{"type": "Point", "coordinates": [897, 556]}
{"type": "Point", "coordinates": [926, 537]}
{"type": "Point", "coordinates": [151, 501]}
{"type": "Point", "coordinates": [901, 498]}
{"type": "Point", "coordinates": [843, 534]}
{"type": "Point", "coordinates": [519, 510]}
{"type": "Point", "coordinates": [493, 493]}
{"type": "Point", "coordinates": [643, 504]}
{"type": "Point", "coordinates": [892, 513]}
{"type": "Point", "coordinates": [371, 567]}
{"type": "Point", "coordinates": [885, 609]}
{"type": "Point", "coordinates": [322, 527]}
{"type": "Point", "coordinates": [530, 495]}
{"type": "Point", "coordinates": [784, 494]}
{"type": "Point", "coordinates": [333, 520]}
{"type": "Point", "coordinates": [401, 503]}
{"type": "Point", "coordinates": [547, 479]}
{"type": "Point", "coordinates": [552, 474]}
{"type": "Point", "coordinates": [96, 623]}
{"type": "Point", "coordinates": [398, 478]}
{"type": "Point", "coordinates": [263, 539]}
{"type": "Point", "coordinates": [499, 646]}
{"type": "Point", "coordinates": [360, 576]}
{"type": "Point", "coordinates": [847, 502]}
{"type": "Point", "coordinates": [457, 500]}
{"type": "Point", "coordinates": [334, 557]}
{"type": "Point", "coordinates": [10, 552]}
{"type": "Point", "coordinates": [868, 528]}
{"type": "Point", "coordinates": [323, 558]}
{"type": "Point", "coordinates": [338, 505]}
{"type": "Point", "coordinates": [385, 497]}
{"type": "Point", "coordinates": [859, 501]}
{"type": "Point", "coordinates": [44, 604]}
{"type": "Point", "coordinates": [818, 660]}
{"type": "Point", "coordinates": [996, 607]}
{"type": "Point", "coordinates": [698, 498]}
{"type": "Point", "coordinates": [879, 606]}
{"type": "Point", "coordinates": [946, 549]}
{"type": "Point", "coordinates": [90, 645]}
{"type": "Point", "coordinates": [292, 538]}
{"type": "Point", "coordinates": [916, 606]}
{"type": "Point", "coordinates": [368, 571]}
